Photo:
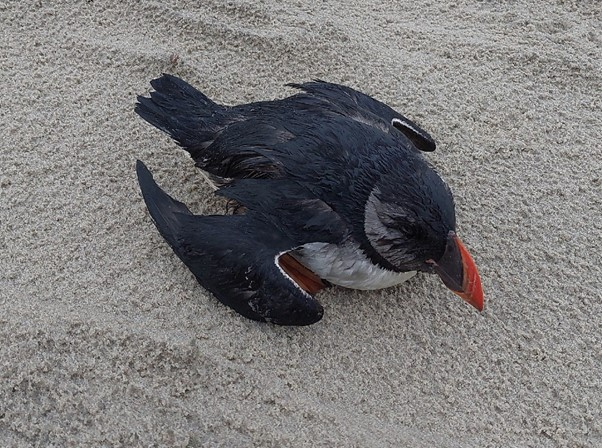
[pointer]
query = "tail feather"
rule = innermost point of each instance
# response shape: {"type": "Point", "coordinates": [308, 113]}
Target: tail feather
{"type": "Point", "coordinates": [180, 110]}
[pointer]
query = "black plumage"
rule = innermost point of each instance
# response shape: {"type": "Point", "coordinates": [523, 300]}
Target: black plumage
{"type": "Point", "coordinates": [305, 169]}
{"type": "Point", "coordinates": [233, 257]}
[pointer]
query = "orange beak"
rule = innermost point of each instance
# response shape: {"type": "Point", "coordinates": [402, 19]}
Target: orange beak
{"type": "Point", "coordinates": [459, 272]}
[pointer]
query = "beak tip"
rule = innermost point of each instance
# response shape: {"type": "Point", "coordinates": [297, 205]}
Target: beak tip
{"type": "Point", "coordinates": [475, 299]}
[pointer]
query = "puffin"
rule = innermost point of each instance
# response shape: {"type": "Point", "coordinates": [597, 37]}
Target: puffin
{"type": "Point", "coordinates": [329, 186]}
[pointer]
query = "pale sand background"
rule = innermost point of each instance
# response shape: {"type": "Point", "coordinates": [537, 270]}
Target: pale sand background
{"type": "Point", "coordinates": [106, 338]}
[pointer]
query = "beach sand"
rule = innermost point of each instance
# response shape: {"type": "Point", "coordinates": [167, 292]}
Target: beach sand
{"type": "Point", "coordinates": [106, 339]}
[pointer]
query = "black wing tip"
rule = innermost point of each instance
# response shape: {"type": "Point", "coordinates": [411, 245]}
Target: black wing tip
{"type": "Point", "coordinates": [151, 192]}
{"type": "Point", "coordinates": [305, 318]}
{"type": "Point", "coordinates": [429, 147]}
{"type": "Point", "coordinates": [143, 173]}
{"type": "Point", "coordinates": [419, 137]}
{"type": "Point", "coordinates": [309, 314]}
{"type": "Point", "coordinates": [166, 212]}
{"type": "Point", "coordinates": [294, 318]}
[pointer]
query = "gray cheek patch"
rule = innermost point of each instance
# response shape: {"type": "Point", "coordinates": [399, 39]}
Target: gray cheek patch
{"type": "Point", "coordinates": [384, 239]}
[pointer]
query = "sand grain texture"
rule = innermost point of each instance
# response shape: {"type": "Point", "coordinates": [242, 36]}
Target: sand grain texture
{"type": "Point", "coordinates": [107, 340]}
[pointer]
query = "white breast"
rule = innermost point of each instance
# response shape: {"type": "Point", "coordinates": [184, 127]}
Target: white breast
{"type": "Point", "coordinates": [347, 266]}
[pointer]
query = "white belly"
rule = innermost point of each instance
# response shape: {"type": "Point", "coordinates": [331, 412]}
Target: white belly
{"type": "Point", "coordinates": [347, 266]}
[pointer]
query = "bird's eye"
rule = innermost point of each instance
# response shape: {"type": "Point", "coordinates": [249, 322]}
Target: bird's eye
{"type": "Point", "coordinates": [411, 231]}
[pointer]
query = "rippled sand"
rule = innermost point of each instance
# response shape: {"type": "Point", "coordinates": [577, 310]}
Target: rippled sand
{"type": "Point", "coordinates": [106, 339]}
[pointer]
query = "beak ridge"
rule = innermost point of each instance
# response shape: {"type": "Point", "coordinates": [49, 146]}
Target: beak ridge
{"type": "Point", "coordinates": [459, 272]}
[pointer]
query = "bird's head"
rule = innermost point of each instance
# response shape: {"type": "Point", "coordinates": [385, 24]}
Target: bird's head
{"type": "Point", "coordinates": [412, 227]}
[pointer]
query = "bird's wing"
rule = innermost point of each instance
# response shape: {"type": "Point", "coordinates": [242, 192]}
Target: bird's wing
{"type": "Point", "coordinates": [289, 208]}
{"type": "Point", "coordinates": [237, 258]}
{"type": "Point", "coordinates": [363, 108]}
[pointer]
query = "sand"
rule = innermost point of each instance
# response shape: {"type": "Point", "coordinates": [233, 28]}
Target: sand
{"type": "Point", "coordinates": [106, 339]}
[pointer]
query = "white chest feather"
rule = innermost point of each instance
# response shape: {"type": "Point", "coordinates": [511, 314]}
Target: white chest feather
{"type": "Point", "coordinates": [347, 266]}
